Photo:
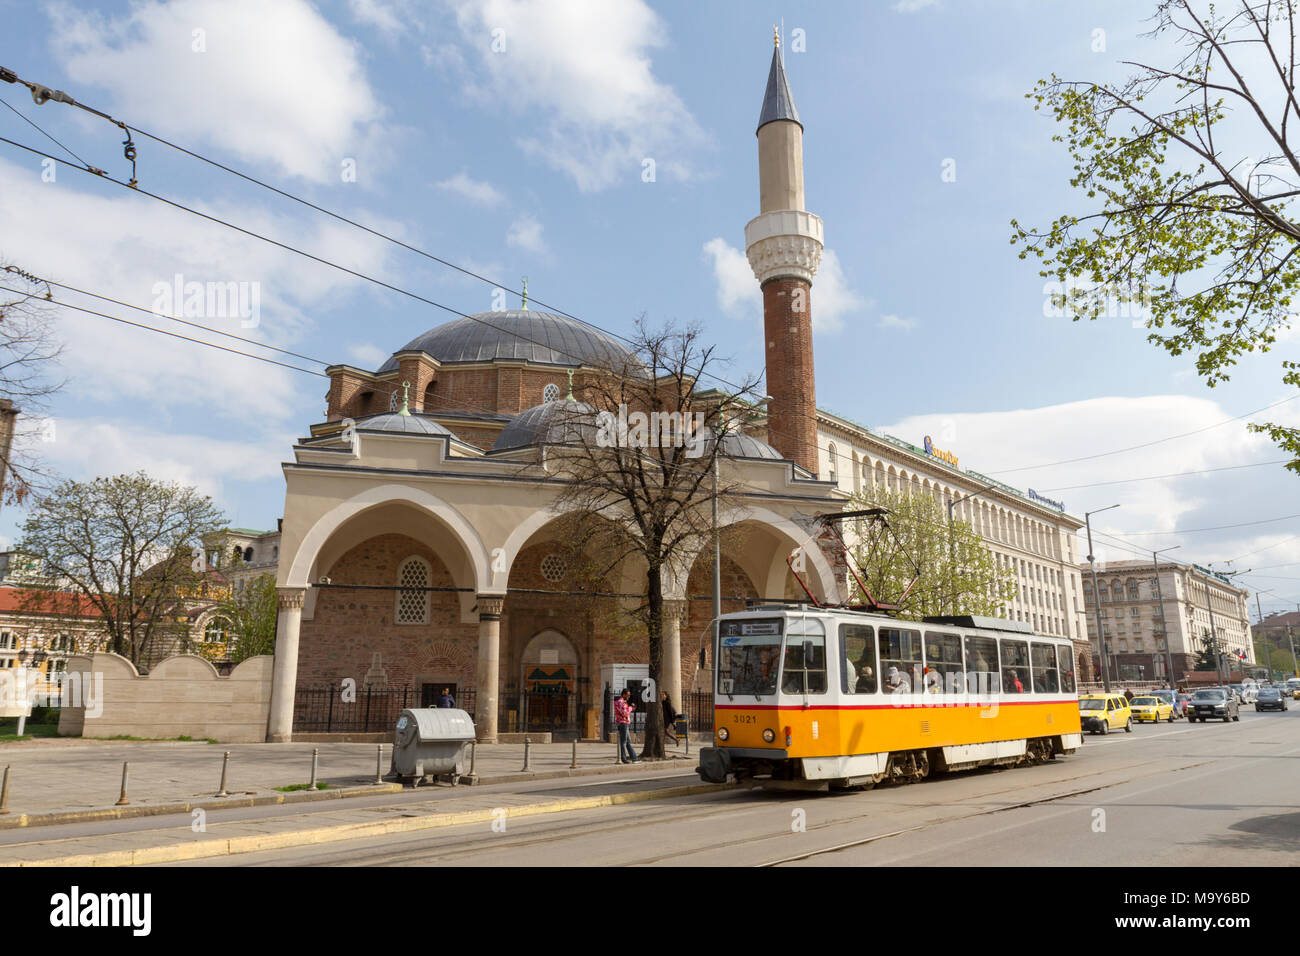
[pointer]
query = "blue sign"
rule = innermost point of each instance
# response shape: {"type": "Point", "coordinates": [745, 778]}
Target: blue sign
{"type": "Point", "coordinates": [1035, 496]}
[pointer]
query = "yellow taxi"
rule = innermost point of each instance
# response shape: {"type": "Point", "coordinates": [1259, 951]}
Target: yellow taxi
{"type": "Point", "coordinates": [1102, 713]}
{"type": "Point", "coordinates": [1153, 709]}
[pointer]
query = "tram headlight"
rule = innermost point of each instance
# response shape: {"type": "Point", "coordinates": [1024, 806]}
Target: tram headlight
{"type": "Point", "coordinates": [722, 733]}
{"type": "Point", "coordinates": [769, 735]}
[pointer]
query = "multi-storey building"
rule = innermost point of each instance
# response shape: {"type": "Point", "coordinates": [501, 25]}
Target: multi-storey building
{"type": "Point", "coordinates": [1141, 641]}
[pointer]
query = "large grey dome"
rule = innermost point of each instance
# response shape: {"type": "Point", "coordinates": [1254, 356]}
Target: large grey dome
{"type": "Point", "coordinates": [519, 335]}
{"type": "Point", "coordinates": [739, 445]}
{"type": "Point", "coordinates": [552, 423]}
{"type": "Point", "coordinates": [407, 424]}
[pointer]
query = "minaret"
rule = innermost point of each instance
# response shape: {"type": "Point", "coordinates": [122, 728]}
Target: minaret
{"type": "Point", "coordinates": [784, 246]}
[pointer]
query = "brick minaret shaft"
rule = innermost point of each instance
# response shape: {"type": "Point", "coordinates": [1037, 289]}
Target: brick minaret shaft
{"type": "Point", "coordinates": [787, 327]}
{"type": "Point", "coordinates": [784, 246]}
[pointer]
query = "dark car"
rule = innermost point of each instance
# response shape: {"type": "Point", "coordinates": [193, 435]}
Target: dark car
{"type": "Point", "coordinates": [1217, 703]}
{"type": "Point", "coordinates": [1270, 698]}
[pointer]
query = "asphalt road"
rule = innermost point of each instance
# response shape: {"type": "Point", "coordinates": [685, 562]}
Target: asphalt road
{"type": "Point", "coordinates": [1201, 794]}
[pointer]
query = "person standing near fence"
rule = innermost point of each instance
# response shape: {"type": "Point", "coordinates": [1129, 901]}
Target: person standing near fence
{"type": "Point", "coordinates": [623, 708]}
{"type": "Point", "coordinates": [445, 699]}
{"type": "Point", "coordinates": [670, 717]}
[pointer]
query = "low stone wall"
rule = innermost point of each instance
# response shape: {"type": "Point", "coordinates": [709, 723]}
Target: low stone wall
{"type": "Point", "coordinates": [182, 695]}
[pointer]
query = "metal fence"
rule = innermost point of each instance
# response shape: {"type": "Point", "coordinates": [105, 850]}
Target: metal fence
{"type": "Point", "coordinates": [699, 707]}
{"type": "Point", "coordinates": [367, 710]}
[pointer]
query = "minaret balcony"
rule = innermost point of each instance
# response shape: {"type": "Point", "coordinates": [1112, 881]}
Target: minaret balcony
{"type": "Point", "coordinates": [787, 242]}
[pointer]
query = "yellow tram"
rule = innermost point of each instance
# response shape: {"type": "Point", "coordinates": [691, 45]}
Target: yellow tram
{"type": "Point", "coordinates": [814, 698]}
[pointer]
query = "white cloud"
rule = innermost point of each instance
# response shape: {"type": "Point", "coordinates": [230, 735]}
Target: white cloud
{"type": "Point", "coordinates": [368, 356]}
{"type": "Point", "coordinates": [739, 296]}
{"type": "Point", "coordinates": [124, 245]}
{"type": "Point", "coordinates": [274, 83]}
{"type": "Point", "coordinates": [88, 448]}
{"type": "Point", "coordinates": [896, 322]}
{"type": "Point", "coordinates": [376, 14]}
{"type": "Point", "coordinates": [912, 6]}
{"type": "Point", "coordinates": [1001, 444]}
{"type": "Point", "coordinates": [583, 72]}
{"type": "Point", "coordinates": [526, 233]}
{"type": "Point", "coordinates": [475, 190]}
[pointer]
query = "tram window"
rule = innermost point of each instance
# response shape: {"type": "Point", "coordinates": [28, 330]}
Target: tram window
{"type": "Point", "coordinates": [749, 655]}
{"type": "Point", "coordinates": [982, 674]}
{"type": "Point", "coordinates": [800, 675]}
{"type": "Point", "coordinates": [1065, 657]}
{"type": "Point", "coordinates": [1046, 678]}
{"type": "Point", "coordinates": [900, 660]}
{"type": "Point", "coordinates": [1015, 667]}
{"type": "Point", "coordinates": [858, 659]}
{"type": "Point", "coordinates": [942, 663]}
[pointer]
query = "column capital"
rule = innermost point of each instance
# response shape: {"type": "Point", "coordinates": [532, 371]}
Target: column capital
{"type": "Point", "coordinates": [490, 606]}
{"type": "Point", "coordinates": [675, 609]}
{"type": "Point", "coordinates": [289, 598]}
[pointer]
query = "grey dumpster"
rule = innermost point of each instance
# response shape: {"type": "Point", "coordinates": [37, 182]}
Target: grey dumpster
{"type": "Point", "coordinates": [432, 742]}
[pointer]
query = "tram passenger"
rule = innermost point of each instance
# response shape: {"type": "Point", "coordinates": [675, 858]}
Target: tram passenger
{"type": "Point", "coordinates": [933, 681]}
{"type": "Point", "coordinates": [896, 681]}
{"type": "Point", "coordinates": [866, 678]}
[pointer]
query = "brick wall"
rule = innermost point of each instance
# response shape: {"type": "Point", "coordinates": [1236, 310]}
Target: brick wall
{"type": "Point", "coordinates": [792, 413]}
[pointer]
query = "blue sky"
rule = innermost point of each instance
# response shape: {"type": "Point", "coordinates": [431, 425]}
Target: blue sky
{"type": "Point", "coordinates": [529, 160]}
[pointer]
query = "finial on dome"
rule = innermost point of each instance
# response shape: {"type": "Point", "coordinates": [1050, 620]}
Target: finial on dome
{"type": "Point", "coordinates": [525, 305]}
{"type": "Point", "coordinates": [569, 397]}
{"type": "Point", "coordinates": [776, 36]}
{"type": "Point", "coordinates": [406, 394]}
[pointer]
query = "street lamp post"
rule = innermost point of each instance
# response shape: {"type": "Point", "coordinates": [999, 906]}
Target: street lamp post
{"type": "Point", "coordinates": [1096, 598]}
{"type": "Point", "coordinates": [1268, 657]}
{"type": "Point", "coordinates": [1164, 627]}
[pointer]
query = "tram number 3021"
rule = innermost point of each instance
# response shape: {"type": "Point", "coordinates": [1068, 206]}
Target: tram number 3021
{"type": "Point", "coordinates": [744, 718]}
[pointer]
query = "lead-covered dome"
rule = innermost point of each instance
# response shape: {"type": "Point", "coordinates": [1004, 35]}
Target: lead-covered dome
{"type": "Point", "coordinates": [561, 422]}
{"type": "Point", "coordinates": [542, 338]}
{"type": "Point", "coordinates": [397, 422]}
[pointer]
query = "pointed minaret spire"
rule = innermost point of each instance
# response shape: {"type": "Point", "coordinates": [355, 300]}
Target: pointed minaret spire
{"type": "Point", "coordinates": [525, 305]}
{"type": "Point", "coordinates": [784, 247]}
{"type": "Point", "coordinates": [778, 101]}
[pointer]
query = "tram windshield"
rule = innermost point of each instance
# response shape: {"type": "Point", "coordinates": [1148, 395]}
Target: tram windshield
{"type": "Point", "coordinates": [749, 656]}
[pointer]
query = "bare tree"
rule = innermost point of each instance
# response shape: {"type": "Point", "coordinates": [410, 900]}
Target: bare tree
{"type": "Point", "coordinates": [133, 548]}
{"type": "Point", "coordinates": [637, 459]}
{"type": "Point", "coordinates": [1195, 172]}
{"type": "Point", "coordinates": [28, 354]}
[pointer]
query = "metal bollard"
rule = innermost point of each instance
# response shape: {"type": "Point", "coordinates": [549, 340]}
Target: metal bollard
{"type": "Point", "coordinates": [526, 744]}
{"type": "Point", "coordinates": [225, 762]}
{"type": "Point", "coordinates": [315, 763]}
{"type": "Point", "coordinates": [4, 793]}
{"type": "Point", "coordinates": [574, 764]}
{"type": "Point", "coordinates": [122, 801]}
{"type": "Point", "coordinates": [379, 764]}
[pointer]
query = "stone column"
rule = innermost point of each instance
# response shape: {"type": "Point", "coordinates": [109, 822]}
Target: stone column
{"type": "Point", "coordinates": [489, 666]}
{"type": "Point", "coordinates": [284, 674]}
{"type": "Point", "coordinates": [671, 676]}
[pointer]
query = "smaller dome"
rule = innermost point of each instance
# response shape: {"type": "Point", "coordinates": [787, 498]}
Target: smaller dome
{"type": "Point", "coordinates": [406, 424]}
{"type": "Point", "coordinates": [740, 445]}
{"type": "Point", "coordinates": [552, 423]}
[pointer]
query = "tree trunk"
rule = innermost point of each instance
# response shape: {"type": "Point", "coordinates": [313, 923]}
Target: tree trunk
{"type": "Point", "coordinates": [654, 712]}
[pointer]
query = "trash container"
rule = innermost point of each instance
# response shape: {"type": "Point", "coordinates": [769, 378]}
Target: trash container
{"type": "Point", "coordinates": [432, 742]}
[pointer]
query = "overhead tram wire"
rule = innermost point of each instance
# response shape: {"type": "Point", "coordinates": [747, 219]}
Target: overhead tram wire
{"type": "Point", "coordinates": [12, 77]}
{"type": "Point", "coordinates": [1176, 474]}
{"type": "Point", "coordinates": [175, 335]}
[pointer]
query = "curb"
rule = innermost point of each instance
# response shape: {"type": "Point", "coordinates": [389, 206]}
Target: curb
{"type": "Point", "coordinates": [55, 817]}
{"type": "Point", "coordinates": [353, 831]}
{"type": "Point", "coordinates": [97, 815]}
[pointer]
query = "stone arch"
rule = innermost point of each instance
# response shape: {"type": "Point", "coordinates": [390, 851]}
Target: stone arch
{"type": "Point", "coordinates": [474, 553]}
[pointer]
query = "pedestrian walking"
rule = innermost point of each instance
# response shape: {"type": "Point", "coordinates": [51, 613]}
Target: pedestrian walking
{"type": "Point", "coordinates": [623, 708]}
{"type": "Point", "coordinates": [670, 717]}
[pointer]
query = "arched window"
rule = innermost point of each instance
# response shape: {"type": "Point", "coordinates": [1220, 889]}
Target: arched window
{"type": "Point", "coordinates": [248, 554]}
{"type": "Point", "coordinates": [830, 451]}
{"type": "Point", "coordinates": [392, 400]}
{"type": "Point", "coordinates": [413, 577]}
{"type": "Point", "coordinates": [551, 393]}
{"type": "Point", "coordinates": [215, 631]}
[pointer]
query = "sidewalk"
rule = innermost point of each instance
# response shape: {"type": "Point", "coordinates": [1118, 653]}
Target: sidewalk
{"type": "Point", "coordinates": [237, 833]}
{"type": "Point", "coordinates": [78, 779]}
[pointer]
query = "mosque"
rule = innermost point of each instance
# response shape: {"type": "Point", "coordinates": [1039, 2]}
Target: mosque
{"type": "Point", "coordinates": [421, 544]}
